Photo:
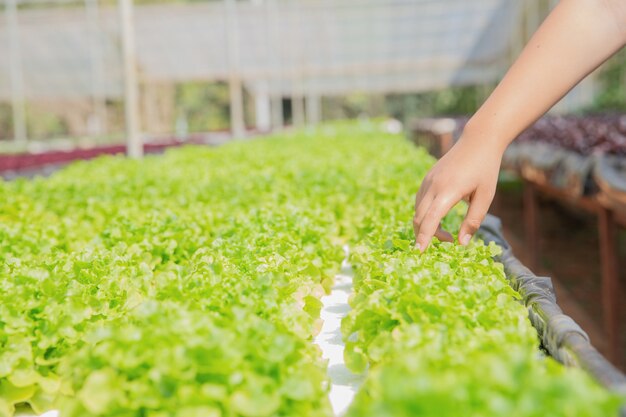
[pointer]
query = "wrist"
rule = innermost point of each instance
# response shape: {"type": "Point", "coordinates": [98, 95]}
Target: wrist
{"type": "Point", "coordinates": [484, 135]}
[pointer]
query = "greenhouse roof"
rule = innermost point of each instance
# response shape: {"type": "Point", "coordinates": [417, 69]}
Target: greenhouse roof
{"type": "Point", "coordinates": [320, 47]}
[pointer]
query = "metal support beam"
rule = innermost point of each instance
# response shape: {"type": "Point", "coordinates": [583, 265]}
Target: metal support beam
{"type": "Point", "coordinates": [277, 112]}
{"type": "Point", "coordinates": [134, 143]}
{"type": "Point", "coordinates": [294, 24]}
{"type": "Point", "coordinates": [272, 38]}
{"type": "Point", "coordinates": [235, 85]}
{"type": "Point", "coordinates": [97, 125]}
{"type": "Point", "coordinates": [262, 107]}
{"type": "Point", "coordinates": [235, 89]}
{"type": "Point", "coordinates": [18, 102]}
{"type": "Point", "coordinates": [313, 109]}
{"type": "Point", "coordinates": [297, 110]}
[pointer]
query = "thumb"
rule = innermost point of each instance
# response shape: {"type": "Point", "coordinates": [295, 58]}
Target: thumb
{"type": "Point", "coordinates": [443, 235]}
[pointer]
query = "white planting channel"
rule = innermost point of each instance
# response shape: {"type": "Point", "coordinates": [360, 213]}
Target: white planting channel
{"type": "Point", "coordinates": [344, 383]}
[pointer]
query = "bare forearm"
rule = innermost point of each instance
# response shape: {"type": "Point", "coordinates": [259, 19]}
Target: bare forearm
{"type": "Point", "coordinates": [574, 40]}
{"type": "Point", "coordinates": [577, 37]}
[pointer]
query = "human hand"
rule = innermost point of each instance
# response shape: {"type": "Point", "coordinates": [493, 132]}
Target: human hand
{"type": "Point", "coordinates": [468, 171]}
{"type": "Point", "coordinates": [573, 40]}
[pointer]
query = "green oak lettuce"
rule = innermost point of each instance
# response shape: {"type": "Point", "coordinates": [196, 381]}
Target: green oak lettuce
{"type": "Point", "coordinates": [188, 284]}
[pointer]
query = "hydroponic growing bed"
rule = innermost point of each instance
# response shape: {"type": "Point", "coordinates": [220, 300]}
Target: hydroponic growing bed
{"type": "Point", "coordinates": [579, 162]}
{"type": "Point", "coordinates": [189, 285]}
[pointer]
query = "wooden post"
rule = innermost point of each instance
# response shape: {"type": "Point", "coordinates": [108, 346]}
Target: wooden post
{"type": "Point", "coordinates": [446, 141]}
{"type": "Point", "coordinates": [530, 225]}
{"type": "Point", "coordinates": [610, 283]}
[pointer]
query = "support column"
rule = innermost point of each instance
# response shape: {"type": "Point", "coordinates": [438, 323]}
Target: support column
{"type": "Point", "coordinates": [274, 37]}
{"type": "Point", "coordinates": [297, 110]}
{"type": "Point", "coordinates": [313, 109]}
{"type": "Point", "coordinates": [277, 112]}
{"type": "Point", "coordinates": [134, 143]}
{"type": "Point", "coordinates": [446, 141]}
{"type": "Point", "coordinates": [18, 101]}
{"type": "Point", "coordinates": [98, 119]}
{"type": "Point", "coordinates": [262, 108]}
{"type": "Point", "coordinates": [610, 283]}
{"type": "Point", "coordinates": [235, 84]}
{"type": "Point", "coordinates": [237, 124]}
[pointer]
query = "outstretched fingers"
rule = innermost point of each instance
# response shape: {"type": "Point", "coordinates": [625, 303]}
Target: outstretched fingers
{"type": "Point", "coordinates": [479, 205]}
{"type": "Point", "coordinates": [428, 215]}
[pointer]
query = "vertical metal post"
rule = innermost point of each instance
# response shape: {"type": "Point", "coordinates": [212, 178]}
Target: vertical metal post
{"type": "Point", "coordinates": [134, 143]}
{"type": "Point", "coordinates": [277, 112]}
{"type": "Point", "coordinates": [274, 54]}
{"type": "Point", "coordinates": [297, 96]}
{"type": "Point", "coordinates": [235, 85]}
{"type": "Point", "coordinates": [97, 66]}
{"type": "Point", "coordinates": [297, 107]}
{"type": "Point", "coordinates": [313, 109]}
{"type": "Point", "coordinates": [18, 102]}
{"type": "Point", "coordinates": [262, 106]}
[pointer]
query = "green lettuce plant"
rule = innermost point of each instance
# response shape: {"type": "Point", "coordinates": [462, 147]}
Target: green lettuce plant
{"type": "Point", "coordinates": [188, 284]}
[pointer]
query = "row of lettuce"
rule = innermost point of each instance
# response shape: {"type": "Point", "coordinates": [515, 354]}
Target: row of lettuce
{"type": "Point", "coordinates": [444, 335]}
{"type": "Point", "coordinates": [186, 284]}
{"type": "Point", "coordinates": [189, 285]}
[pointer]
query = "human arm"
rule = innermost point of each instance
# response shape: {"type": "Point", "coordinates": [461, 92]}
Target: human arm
{"type": "Point", "coordinates": [575, 39]}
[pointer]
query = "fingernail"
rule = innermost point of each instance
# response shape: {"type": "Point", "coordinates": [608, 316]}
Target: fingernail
{"type": "Point", "coordinates": [465, 240]}
{"type": "Point", "coordinates": [418, 247]}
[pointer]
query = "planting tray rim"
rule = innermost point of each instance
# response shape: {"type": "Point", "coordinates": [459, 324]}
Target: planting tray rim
{"type": "Point", "coordinates": [560, 335]}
